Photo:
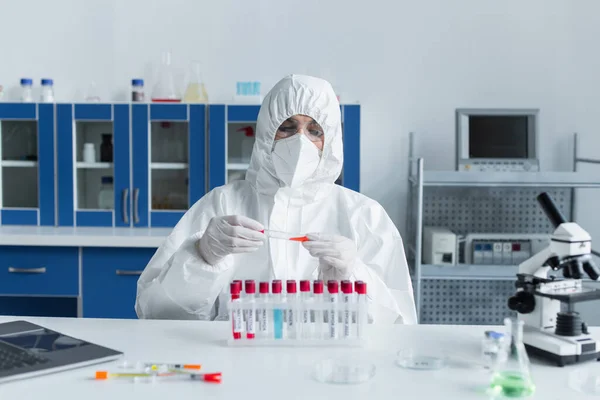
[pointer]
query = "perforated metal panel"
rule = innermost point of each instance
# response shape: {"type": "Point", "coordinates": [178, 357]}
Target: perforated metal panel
{"type": "Point", "coordinates": [490, 210]}
{"type": "Point", "coordinates": [465, 302]}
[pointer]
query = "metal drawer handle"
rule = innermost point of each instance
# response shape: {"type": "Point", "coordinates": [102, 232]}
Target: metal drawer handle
{"type": "Point", "coordinates": [125, 200]}
{"type": "Point", "coordinates": [14, 270]}
{"type": "Point", "coordinates": [136, 198]}
{"type": "Point", "coordinates": [124, 272]}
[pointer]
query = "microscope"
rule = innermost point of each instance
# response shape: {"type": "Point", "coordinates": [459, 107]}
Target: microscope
{"type": "Point", "coordinates": [553, 330]}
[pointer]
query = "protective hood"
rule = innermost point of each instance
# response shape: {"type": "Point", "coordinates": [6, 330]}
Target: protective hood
{"type": "Point", "coordinates": [306, 95]}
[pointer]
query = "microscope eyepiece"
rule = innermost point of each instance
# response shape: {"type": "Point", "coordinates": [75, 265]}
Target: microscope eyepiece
{"type": "Point", "coordinates": [551, 210]}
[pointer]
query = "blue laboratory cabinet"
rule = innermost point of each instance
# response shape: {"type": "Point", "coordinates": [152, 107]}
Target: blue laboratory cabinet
{"type": "Point", "coordinates": [27, 189]}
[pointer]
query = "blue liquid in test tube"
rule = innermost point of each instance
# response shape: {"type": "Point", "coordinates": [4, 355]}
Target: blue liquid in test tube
{"type": "Point", "coordinates": [277, 313]}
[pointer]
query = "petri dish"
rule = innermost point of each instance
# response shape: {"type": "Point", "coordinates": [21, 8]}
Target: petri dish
{"type": "Point", "coordinates": [586, 379]}
{"type": "Point", "coordinates": [420, 359]}
{"type": "Point", "coordinates": [344, 371]}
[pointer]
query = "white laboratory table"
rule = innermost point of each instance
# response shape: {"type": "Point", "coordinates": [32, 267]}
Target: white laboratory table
{"type": "Point", "coordinates": [270, 373]}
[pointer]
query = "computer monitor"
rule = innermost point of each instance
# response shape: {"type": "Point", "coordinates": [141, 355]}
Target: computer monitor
{"type": "Point", "coordinates": [497, 140]}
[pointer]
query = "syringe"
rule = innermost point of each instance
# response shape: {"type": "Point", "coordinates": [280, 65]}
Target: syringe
{"type": "Point", "coordinates": [285, 236]}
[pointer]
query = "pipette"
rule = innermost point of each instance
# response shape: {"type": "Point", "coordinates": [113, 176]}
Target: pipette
{"type": "Point", "coordinates": [285, 236]}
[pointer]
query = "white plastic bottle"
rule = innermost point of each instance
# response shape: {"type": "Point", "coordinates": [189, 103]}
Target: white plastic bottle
{"type": "Point", "coordinates": [26, 90]}
{"type": "Point", "coordinates": [89, 153]}
{"type": "Point", "coordinates": [106, 198]}
{"type": "Point", "coordinates": [47, 91]}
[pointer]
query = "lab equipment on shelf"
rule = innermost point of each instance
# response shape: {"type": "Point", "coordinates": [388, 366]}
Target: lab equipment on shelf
{"type": "Point", "coordinates": [47, 91]}
{"type": "Point", "coordinates": [247, 143]}
{"type": "Point", "coordinates": [89, 153]}
{"type": "Point", "coordinates": [26, 90]}
{"type": "Point", "coordinates": [137, 90]}
{"type": "Point", "coordinates": [289, 319]}
{"type": "Point", "coordinates": [440, 246]}
{"type": "Point", "coordinates": [106, 200]}
{"type": "Point", "coordinates": [106, 148]}
{"type": "Point", "coordinates": [248, 92]}
{"type": "Point", "coordinates": [502, 248]}
{"type": "Point", "coordinates": [165, 90]}
{"type": "Point", "coordinates": [195, 91]}
{"type": "Point", "coordinates": [92, 95]}
{"type": "Point", "coordinates": [511, 375]}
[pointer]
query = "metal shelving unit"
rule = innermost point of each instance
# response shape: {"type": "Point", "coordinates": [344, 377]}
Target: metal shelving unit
{"type": "Point", "coordinates": [478, 202]}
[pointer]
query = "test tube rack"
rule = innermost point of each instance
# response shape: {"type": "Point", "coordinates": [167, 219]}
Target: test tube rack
{"type": "Point", "coordinates": [296, 321]}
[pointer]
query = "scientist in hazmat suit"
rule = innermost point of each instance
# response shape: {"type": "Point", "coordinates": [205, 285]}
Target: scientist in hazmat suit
{"type": "Point", "coordinates": [289, 187]}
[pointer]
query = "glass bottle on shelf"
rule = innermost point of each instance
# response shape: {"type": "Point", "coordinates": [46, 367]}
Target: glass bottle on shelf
{"type": "Point", "coordinates": [511, 375]}
{"type": "Point", "coordinates": [26, 90]}
{"type": "Point", "coordinates": [165, 90]}
{"type": "Point", "coordinates": [195, 91]}
{"type": "Point", "coordinates": [47, 91]}
{"type": "Point", "coordinates": [106, 199]}
{"type": "Point", "coordinates": [106, 148]}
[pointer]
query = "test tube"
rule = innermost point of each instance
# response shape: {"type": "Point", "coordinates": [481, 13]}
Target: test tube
{"type": "Point", "coordinates": [277, 311]}
{"type": "Point", "coordinates": [347, 291]}
{"type": "Point", "coordinates": [263, 314]}
{"type": "Point", "coordinates": [305, 325]}
{"type": "Point", "coordinates": [291, 299]}
{"type": "Point", "coordinates": [333, 289]}
{"type": "Point", "coordinates": [318, 299]}
{"type": "Point", "coordinates": [250, 308]}
{"type": "Point", "coordinates": [361, 307]}
{"type": "Point", "coordinates": [236, 314]}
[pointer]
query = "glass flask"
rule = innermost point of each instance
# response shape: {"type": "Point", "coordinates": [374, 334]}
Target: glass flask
{"type": "Point", "coordinates": [195, 91]}
{"type": "Point", "coordinates": [511, 376]}
{"type": "Point", "coordinates": [165, 90]}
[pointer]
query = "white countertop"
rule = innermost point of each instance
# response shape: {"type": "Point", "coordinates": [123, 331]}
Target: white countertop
{"type": "Point", "coordinates": [82, 237]}
{"type": "Point", "coordinates": [271, 373]}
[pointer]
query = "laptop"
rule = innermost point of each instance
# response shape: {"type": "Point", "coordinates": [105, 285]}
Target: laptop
{"type": "Point", "coordinates": [28, 350]}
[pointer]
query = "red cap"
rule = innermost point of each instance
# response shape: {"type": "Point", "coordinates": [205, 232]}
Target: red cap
{"type": "Point", "coordinates": [264, 287]}
{"type": "Point", "coordinates": [276, 286]}
{"type": "Point", "coordinates": [318, 287]}
{"type": "Point", "coordinates": [236, 287]}
{"type": "Point", "coordinates": [346, 287]}
{"type": "Point", "coordinates": [250, 286]}
{"type": "Point", "coordinates": [305, 286]}
{"type": "Point", "coordinates": [361, 287]}
{"type": "Point", "coordinates": [332, 286]}
{"type": "Point", "coordinates": [291, 286]}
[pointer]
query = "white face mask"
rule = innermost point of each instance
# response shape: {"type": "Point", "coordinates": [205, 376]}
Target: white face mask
{"type": "Point", "coordinates": [295, 159]}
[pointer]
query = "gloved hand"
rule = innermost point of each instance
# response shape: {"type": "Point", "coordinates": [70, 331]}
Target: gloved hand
{"type": "Point", "coordinates": [230, 234]}
{"type": "Point", "coordinates": [336, 254]}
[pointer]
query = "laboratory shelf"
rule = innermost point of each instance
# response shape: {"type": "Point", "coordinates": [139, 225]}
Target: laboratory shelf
{"type": "Point", "coordinates": [510, 179]}
{"type": "Point", "coordinates": [94, 165]}
{"type": "Point", "coordinates": [19, 164]}
{"type": "Point", "coordinates": [470, 271]}
{"type": "Point", "coordinates": [161, 165]}
{"type": "Point", "coordinates": [237, 166]}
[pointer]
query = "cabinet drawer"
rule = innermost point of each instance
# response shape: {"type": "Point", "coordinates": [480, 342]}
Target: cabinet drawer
{"type": "Point", "coordinates": [40, 270]}
{"type": "Point", "coordinates": [110, 278]}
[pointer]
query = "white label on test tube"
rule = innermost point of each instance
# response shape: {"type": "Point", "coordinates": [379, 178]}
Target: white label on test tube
{"type": "Point", "coordinates": [318, 328]}
{"type": "Point", "coordinates": [263, 313]}
{"type": "Point", "coordinates": [250, 309]}
{"type": "Point", "coordinates": [346, 300]}
{"type": "Point", "coordinates": [292, 326]}
{"type": "Point", "coordinates": [361, 314]}
{"type": "Point", "coordinates": [304, 307]}
{"type": "Point", "coordinates": [332, 287]}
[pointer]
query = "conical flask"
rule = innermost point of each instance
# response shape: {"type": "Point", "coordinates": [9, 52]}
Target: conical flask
{"type": "Point", "coordinates": [165, 90]}
{"type": "Point", "coordinates": [195, 91]}
{"type": "Point", "coordinates": [512, 378]}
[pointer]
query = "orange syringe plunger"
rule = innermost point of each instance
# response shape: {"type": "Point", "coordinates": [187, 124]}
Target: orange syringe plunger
{"type": "Point", "coordinates": [285, 236]}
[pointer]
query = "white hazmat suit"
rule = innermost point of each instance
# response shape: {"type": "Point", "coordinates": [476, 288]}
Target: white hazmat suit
{"type": "Point", "coordinates": [353, 236]}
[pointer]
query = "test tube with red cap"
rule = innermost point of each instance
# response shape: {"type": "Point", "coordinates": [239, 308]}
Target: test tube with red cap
{"type": "Point", "coordinates": [250, 289]}
{"type": "Point", "coordinates": [236, 313]}
{"type": "Point", "coordinates": [263, 312]}
{"type": "Point", "coordinates": [333, 289]}
{"type": "Point", "coordinates": [361, 308]}
{"type": "Point", "coordinates": [292, 313]}
{"type": "Point", "coordinates": [277, 310]}
{"type": "Point", "coordinates": [319, 315]}
{"type": "Point", "coordinates": [305, 300]}
{"type": "Point", "coordinates": [347, 292]}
